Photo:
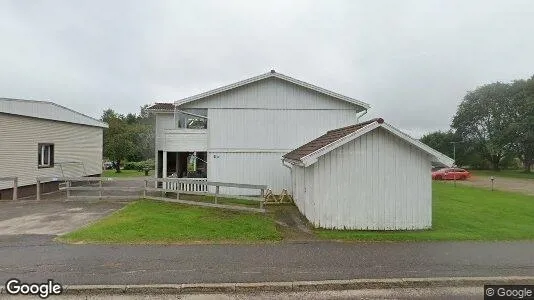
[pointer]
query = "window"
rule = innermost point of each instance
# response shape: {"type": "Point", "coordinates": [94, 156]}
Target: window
{"type": "Point", "coordinates": [197, 123]}
{"type": "Point", "coordinates": [192, 118]}
{"type": "Point", "coordinates": [45, 155]}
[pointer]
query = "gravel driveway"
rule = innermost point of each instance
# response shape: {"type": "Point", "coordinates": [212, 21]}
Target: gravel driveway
{"type": "Point", "coordinates": [520, 185]}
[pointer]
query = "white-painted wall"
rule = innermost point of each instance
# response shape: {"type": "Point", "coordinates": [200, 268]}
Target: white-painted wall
{"type": "Point", "coordinates": [20, 135]}
{"type": "Point", "coordinates": [375, 182]}
{"type": "Point", "coordinates": [250, 168]}
{"type": "Point", "coordinates": [271, 93]}
{"type": "Point", "coordinates": [251, 127]}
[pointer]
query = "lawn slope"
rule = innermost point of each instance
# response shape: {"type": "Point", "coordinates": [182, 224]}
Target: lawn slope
{"type": "Point", "coordinates": [147, 221]}
{"type": "Point", "coordinates": [462, 213]}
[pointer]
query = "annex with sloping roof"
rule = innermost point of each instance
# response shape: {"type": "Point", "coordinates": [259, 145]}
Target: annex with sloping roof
{"type": "Point", "coordinates": [368, 176]}
{"type": "Point", "coordinates": [41, 138]}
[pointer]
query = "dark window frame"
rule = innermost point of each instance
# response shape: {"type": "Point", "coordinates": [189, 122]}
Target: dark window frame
{"type": "Point", "coordinates": [40, 164]}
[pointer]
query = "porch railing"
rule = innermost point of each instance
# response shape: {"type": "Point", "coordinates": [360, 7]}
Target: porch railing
{"type": "Point", "coordinates": [187, 185]}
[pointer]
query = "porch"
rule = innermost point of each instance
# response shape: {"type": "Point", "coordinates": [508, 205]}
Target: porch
{"type": "Point", "coordinates": [190, 165]}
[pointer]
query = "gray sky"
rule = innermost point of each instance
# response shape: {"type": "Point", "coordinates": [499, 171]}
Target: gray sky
{"type": "Point", "coordinates": [412, 61]}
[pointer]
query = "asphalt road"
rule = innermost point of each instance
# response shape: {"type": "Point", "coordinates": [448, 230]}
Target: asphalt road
{"type": "Point", "coordinates": [35, 258]}
{"type": "Point", "coordinates": [441, 293]}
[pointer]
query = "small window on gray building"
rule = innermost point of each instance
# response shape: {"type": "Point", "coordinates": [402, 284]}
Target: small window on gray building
{"type": "Point", "coordinates": [45, 155]}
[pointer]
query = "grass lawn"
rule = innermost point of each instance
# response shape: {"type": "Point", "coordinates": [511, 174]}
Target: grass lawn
{"type": "Point", "coordinates": [502, 173]}
{"type": "Point", "coordinates": [125, 173]}
{"type": "Point", "coordinates": [462, 213]}
{"type": "Point", "coordinates": [147, 221]}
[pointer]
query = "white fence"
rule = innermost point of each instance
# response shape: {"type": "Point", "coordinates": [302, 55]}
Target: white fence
{"type": "Point", "coordinates": [95, 187]}
{"type": "Point", "coordinates": [187, 185]}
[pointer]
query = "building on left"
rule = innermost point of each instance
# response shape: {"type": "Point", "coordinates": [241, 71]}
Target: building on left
{"type": "Point", "coordinates": [44, 139]}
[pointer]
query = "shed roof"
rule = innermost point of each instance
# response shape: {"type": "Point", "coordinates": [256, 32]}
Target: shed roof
{"type": "Point", "coordinates": [271, 74]}
{"type": "Point", "coordinates": [162, 106]}
{"type": "Point", "coordinates": [308, 153]}
{"type": "Point", "coordinates": [46, 110]}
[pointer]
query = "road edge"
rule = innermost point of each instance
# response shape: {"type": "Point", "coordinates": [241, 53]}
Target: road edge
{"type": "Point", "coordinates": [290, 286]}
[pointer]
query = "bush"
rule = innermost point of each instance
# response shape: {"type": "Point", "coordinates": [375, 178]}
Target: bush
{"type": "Point", "coordinates": [140, 165]}
{"type": "Point", "coordinates": [131, 165]}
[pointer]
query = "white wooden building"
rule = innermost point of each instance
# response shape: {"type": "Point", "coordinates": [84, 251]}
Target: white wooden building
{"type": "Point", "coordinates": [39, 138]}
{"type": "Point", "coordinates": [239, 132]}
{"type": "Point", "coordinates": [368, 176]}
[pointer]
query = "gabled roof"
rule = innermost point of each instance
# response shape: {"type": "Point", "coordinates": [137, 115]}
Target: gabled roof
{"type": "Point", "coordinates": [160, 106]}
{"type": "Point", "coordinates": [46, 110]}
{"type": "Point", "coordinates": [308, 153]}
{"type": "Point", "coordinates": [272, 74]}
{"type": "Point", "coordinates": [324, 140]}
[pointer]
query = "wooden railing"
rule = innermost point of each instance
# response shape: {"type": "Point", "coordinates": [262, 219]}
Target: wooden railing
{"type": "Point", "coordinates": [96, 184]}
{"type": "Point", "coordinates": [184, 182]}
{"type": "Point", "coordinates": [187, 184]}
{"type": "Point", "coordinates": [15, 181]}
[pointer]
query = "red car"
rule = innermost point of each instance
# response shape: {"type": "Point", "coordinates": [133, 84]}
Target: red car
{"type": "Point", "coordinates": [450, 174]}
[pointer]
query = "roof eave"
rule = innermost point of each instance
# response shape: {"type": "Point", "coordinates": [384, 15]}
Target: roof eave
{"type": "Point", "coordinates": [437, 156]}
{"type": "Point", "coordinates": [363, 105]}
{"type": "Point", "coordinates": [293, 161]}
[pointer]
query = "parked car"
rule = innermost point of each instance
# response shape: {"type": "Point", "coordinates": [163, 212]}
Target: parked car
{"type": "Point", "coordinates": [107, 165]}
{"type": "Point", "coordinates": [450, 174]}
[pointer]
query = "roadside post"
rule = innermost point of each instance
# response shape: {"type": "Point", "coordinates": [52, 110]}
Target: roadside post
{"type": "Point", "coordinates": [492, 180]}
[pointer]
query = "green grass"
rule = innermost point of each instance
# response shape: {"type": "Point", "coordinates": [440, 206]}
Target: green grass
{"type": "Point", "coordinates": [462, 213]}
{"type": "Point", "coordinates": [502, 173]}
{"type": "Point", "coordinates": [125, 173]}
{"type": "Point", "coordinates": [228, 201]}
{"type": "Point", "coordinates": [147, 221]}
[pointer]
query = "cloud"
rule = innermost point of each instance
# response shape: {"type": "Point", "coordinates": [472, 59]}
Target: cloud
{"type": "Point", "coordinates": [411, 60]}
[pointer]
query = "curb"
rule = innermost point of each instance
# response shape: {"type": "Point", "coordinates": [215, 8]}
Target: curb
{"type": "Point", "coordinates": [290, 286]}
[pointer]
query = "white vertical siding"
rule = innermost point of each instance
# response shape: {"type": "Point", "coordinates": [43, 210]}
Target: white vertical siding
{"type": "Point", "coordinates": [376, 182]}
{"type": "Point", "coordinates": [251, 127]}
{"type": "Point", "coordinates": [163, 121]}
{"type": "Point", "coordinates": [258, 129]}
{"type": "Point", "coordinates": [271, 93]}
{"type": "Point", "coordinates": [184, 140]}
{"type": "Point", "coordinates": [19, 137]}
{"type": "Point", "coordinates": [249, 168]}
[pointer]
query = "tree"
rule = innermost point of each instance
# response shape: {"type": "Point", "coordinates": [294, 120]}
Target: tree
{"type": "Point", "coordinates": [440, 141]}
{"type": "Point", "coordinates": [465, 154]}
{"type": "Point", "coordinates": [523, 122]}
{"type": "Point", "coordinates": [483, 121]}
{"type": "Point", "coordinates": [128, 137]}
{"type": "Point", "coordinates": [118, 141]}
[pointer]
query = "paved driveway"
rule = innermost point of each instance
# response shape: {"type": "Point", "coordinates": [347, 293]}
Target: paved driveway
{"type": "Point", "coordinates": [50, 217]}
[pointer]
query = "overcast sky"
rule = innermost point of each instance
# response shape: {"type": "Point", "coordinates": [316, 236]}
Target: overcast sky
{"type": "Point", "coordinates": [412, 61]}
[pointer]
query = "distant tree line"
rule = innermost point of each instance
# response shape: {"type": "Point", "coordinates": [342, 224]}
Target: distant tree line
{"type": "Point", "coordinates": [493, 126]}
{"type": "Point", "coordinates": [129, 137]}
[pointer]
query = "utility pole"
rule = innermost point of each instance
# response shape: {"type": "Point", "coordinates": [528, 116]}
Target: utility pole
{"type": "Point", "coordinates": [454, 158]}
{"type": "Point", "coordinates": [454, 151]}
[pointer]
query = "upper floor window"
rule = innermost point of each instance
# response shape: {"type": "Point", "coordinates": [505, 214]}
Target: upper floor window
{"type": "Point", "coordinates": [45, 155]}
{"type": "Point", "coordinates": [192, 118]}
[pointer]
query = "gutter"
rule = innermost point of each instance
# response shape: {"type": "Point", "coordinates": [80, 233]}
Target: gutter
{"type": "Point", "coordinates": [358, 117]}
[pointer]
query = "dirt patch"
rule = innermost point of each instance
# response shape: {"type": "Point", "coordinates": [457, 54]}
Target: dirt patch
{"type": "Point", "coordinates": [291, 223]}
{"type": "Point", "coordinates": [519, 185]}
